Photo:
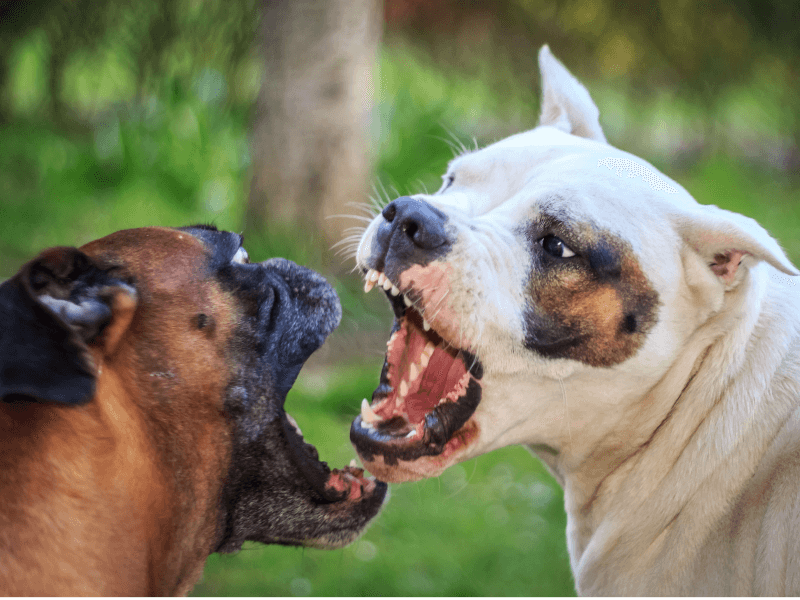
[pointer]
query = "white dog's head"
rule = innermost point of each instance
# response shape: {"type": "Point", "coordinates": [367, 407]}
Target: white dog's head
{"type": "Point", "coordinates": [549, 265]}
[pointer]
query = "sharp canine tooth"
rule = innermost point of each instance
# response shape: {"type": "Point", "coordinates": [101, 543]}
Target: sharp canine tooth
{"type": "Point", "coordinates": [381, 279]}
{"type": "Point", "coordinates": [395, 290]}
{"type": "Point", "coordinates": [353, 462]}
{"type": "Point", "coordinates": [368, 415]}
{"type": "Point", "coordinates": [372, 275]}
{"type": "Point", "coordinates": [414, 372]}
{"type": "Point", "coordinates": [403, 388]}
{"type": "Point", "coordinates": [368, 285]}
{"type": "Point", "coordinates": [387, 285]}
{"type": "Point", "coordinates": [429, 348]}
{"type": "Point", "coordinates": [411, 433]}
{"type": "Point", "coordinates": [425, 325]}
{"type": "Point", "coordinates": [407, 300]}
{"type": "Point", "coordinates": [424, 360]}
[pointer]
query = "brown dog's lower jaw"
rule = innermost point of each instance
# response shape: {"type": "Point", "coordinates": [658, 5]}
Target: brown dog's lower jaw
{"type": "Point", "coordinates": [428, 391]}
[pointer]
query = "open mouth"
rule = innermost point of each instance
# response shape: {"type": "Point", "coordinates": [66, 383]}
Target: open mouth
{"type": "Point", "coordinates": [429, 388]}
{"type": "Point", "coordinates": [332, 485]}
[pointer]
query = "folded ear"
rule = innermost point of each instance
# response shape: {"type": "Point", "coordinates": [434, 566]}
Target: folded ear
{"type": "Point", "coordinates": [723, 238]}
{"type": "Point", "coordinates": [50, 313]}
{"type": "Point", "coordinates": [566, 104]}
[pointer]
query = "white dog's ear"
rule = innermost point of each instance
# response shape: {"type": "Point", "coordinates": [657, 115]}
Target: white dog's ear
{"type": "Point", "coordinates": [566, 105]}
{"type": "Point", "coordinates": [722, 238]}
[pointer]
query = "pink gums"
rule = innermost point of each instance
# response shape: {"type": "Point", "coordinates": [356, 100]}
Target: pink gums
{"type": "Point", "coordinates": [431, 284]}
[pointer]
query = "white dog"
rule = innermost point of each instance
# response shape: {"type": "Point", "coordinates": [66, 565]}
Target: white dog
{"type": "Point", "coordinates": [563, 294]}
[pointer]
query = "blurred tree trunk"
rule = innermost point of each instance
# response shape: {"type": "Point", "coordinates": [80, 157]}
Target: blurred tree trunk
{"type": "Point", "coordinates": [310, 137]}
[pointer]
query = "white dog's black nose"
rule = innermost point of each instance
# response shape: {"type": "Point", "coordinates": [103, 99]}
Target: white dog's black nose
{"type": "Point", "coordinates": [418, 222]}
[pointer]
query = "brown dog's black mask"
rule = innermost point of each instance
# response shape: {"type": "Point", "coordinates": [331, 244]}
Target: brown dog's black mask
{"type": "Point", "coordinates": [63, 303]}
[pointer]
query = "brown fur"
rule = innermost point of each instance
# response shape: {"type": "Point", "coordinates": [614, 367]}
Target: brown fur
{"type": "Point", "coordinates": [592, 309]}
{"type": "Point", "coordinates": [120, 496]}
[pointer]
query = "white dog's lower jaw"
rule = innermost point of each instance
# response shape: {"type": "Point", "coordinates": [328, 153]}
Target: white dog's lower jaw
{"type": "Point", "coordinates": [420, 421]}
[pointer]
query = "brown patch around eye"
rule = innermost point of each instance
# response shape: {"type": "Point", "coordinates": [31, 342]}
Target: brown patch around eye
{"type": "Point", "coordinates": [579, 313]}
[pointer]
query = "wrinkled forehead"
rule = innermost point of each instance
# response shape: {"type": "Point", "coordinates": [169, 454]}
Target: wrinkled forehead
{"type": "Point", "coordinates": [574, 179]}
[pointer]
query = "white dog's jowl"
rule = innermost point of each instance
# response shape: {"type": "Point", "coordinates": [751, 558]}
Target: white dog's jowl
{"type": "Point", "coordinates": [560, 293]}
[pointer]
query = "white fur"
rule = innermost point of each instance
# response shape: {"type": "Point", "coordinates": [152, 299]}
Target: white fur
{"type": "Point", "coordinates": [681, 464]}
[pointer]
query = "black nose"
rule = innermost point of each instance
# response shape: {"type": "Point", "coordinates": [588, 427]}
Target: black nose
{"type": "Point", "coordinates": [419, 222]}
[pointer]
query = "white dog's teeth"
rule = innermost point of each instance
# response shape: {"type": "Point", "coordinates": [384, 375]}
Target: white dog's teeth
{"type": "Point", "coordinates": [353, 463]}
{"type": "Point", "coordinates": [395, 291]}
{"type": "Point", "coordinates": [407, 300]}
{"type": "Point", "coordinates": [387, 285]}
{"type": "Point", "coordinates": [424, 360]}
{"type": "Point", "coordinates": [413, 372]}
{"type": "Point", "coordinates": [368, 415]}
{"type": "Point", "coordinates": [441, 401]}
{"type": "Point", "coordinates": [425, 325]}
{"type": "Point", "coordinates": [370, 279]}
{"type": "Point", "coordinates": [411, 433]}
{"type": "Point", "coordinates": [428, 350]}
{"type": "Point", "coordinates": [403, 388]}
{"type": "Point", "coordinates": [381, 279]}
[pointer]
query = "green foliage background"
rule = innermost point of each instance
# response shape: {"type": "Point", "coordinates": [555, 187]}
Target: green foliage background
{"type": "Point", "coordinates": [138, 114]}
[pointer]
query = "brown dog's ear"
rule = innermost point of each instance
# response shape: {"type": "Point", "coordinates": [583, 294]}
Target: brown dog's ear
{"type": "Point", "coordinates": [50, 312]}
{"type": "Point", "coordinates": [566, 105]}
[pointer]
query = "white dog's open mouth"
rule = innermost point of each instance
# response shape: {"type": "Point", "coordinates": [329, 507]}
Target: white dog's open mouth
{"type": "Point", "coordinates": [428, 391]}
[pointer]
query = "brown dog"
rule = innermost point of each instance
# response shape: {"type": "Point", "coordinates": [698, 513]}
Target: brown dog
{"type": "Point", "coordinates": [142, 427]}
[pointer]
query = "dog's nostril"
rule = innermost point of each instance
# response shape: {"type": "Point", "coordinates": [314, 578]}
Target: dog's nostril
{"type": "Point", "coordinates": [410, 228]}
{"type": "Point", "coordinates": [389, 212]}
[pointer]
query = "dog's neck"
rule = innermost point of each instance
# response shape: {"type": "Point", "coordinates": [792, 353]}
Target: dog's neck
{"type": "Point", "coordinates": [615, 484]}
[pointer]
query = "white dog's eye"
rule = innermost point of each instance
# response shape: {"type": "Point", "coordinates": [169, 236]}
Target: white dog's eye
{"type": "Point", "coordinates": [241, 257]}
{"type": "Point", "coordinates": [555, 247]}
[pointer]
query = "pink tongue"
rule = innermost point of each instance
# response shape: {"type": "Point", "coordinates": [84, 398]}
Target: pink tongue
{"type": "Point", "coordinates": [440, 376]}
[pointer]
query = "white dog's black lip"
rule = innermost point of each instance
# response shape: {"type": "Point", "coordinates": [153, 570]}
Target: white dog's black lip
{"type": "Point", "coordinates": [440, 426]}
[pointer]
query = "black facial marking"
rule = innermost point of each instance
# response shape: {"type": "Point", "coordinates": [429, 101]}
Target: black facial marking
{"type": "Point", "coordinates": [629, 323]}
{"type": "Point", "coordinates": [276, 489]}
{"type": "Point", "coordinates": [604, 260]}
{"type": "Point", "coordinates": [596, 307]}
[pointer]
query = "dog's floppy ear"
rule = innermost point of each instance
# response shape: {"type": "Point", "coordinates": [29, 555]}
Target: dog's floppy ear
{"type": "Point", "coordinates": [566, 105]}
{"type": "Point", "coordinates": [50, 312]}
{"type": "Point", "coordinates": [723, 238]}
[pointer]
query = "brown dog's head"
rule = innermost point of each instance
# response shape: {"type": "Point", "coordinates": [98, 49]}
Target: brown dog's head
{"type": "Point", "coordinates": [198, 348]}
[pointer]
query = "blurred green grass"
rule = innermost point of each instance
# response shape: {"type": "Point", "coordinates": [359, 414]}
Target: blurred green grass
{"type": "Point", "coordinates": [493, 526]}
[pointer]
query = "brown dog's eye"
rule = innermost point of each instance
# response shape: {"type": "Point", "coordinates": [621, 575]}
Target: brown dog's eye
{"type": "Point", "coordinates": [241, 257]}
{"type": "Point", "coordinates": [556, 247]}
